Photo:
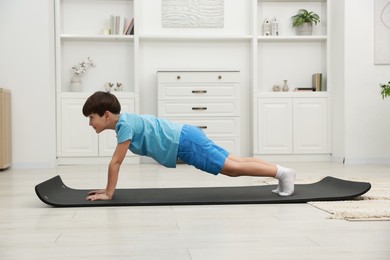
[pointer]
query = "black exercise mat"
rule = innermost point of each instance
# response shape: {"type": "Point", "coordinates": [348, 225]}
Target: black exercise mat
{"type": "Point", "coordinates": [55, 193]}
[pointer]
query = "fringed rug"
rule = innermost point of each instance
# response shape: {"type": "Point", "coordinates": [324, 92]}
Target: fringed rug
{"type": "Point", "coordinates": [374, 205]}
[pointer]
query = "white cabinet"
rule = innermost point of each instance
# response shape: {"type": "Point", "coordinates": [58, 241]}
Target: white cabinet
{"type": "Point", "coordinates": [207, 99]}
{"type": "Point", "coordinates": [311, 126]}
{"type": "Point", "coordinates": [275, 126]}
{"type": "Point", "coordinates": [81, 32]}
{"type": "Point", "coordinates": [293, 125]}
{"type": "Point", "coordinates": [77, 137]}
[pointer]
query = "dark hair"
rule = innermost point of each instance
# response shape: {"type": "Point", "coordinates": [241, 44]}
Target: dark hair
{"type": "Point", "coordinates": [100, 102]}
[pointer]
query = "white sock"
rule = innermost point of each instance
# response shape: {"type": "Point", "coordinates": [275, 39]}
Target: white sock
{"type": "Point", "coordinates": [280, 183]}
{"type": "Point", "coordinates": [286, 177]}
{"type": "Point", "coordinates": [279, 188]}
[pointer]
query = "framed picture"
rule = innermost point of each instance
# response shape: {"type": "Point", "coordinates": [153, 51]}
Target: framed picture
{"type": "Point", "coordinates": [382, 32]}
{"type": "Point", "coordinates": [192, 13]}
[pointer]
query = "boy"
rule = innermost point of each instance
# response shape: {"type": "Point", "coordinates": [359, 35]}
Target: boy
{"type": "Point", "coordinates": [166, 142]}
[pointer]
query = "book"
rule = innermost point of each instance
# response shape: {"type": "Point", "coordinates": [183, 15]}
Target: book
{"type": "Point", "coordinates": [129, 27]}
{"type": "Point", "coordinates": [112, 24]}
{"type": "Point", "coordinates": [317, 81]}
{"type": "Point", "coordinates": [117, 24]}
{"type": "Point", "coordinates": [132, 29]}
{"type": "Point", "coordinates": [305, 89]}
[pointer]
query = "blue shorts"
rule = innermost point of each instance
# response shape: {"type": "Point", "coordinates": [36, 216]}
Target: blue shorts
{"type": "Point", "coordinates": [197, 150]}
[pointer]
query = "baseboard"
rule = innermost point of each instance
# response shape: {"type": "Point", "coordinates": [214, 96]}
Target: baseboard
{"type": "Point", "coordinates": [377, 160]}
{"type": "Point", "coordinates": [94, 160]}
{"type": "Point", "coordinates": [295, 158]}
{"type": "Point", "coordinates": [34, 165]}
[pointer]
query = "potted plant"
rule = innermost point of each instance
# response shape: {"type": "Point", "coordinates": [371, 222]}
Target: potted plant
{"type": "Point", "coordinates": [385, 90]}
{"type": "Point", "coordinates": [304, 21]}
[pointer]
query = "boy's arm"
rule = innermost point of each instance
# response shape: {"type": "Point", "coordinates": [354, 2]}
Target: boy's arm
{"type": "Point", "coordinates": [113, 171]}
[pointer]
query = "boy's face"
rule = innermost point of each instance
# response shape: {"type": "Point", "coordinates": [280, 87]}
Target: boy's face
{"type": "Point", "coordinates": [97, 122]}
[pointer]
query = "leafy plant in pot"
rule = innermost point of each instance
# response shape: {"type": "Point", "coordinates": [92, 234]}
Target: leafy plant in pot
{"type": "Point", "coordinates": [304, 20]}
{"type": "Point", "coordinates": [385, 90]}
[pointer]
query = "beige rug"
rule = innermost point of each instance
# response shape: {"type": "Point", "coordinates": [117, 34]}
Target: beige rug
{"type": "Point", "coordinates": [374, 205]}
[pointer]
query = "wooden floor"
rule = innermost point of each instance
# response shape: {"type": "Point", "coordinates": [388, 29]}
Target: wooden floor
{"type": "Point", "coordinates": [30, 229]}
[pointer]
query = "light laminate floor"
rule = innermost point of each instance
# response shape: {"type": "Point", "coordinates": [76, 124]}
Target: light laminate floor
{"type": "Point", "coordinates": [31, 230]}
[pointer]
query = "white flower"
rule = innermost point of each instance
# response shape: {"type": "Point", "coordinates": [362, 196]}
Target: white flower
{"type": "Point", "coordinates": [83, 66]}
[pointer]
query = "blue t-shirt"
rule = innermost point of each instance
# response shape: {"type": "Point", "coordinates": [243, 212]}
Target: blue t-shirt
{"type": "Point", "coordinates": [150, 136]}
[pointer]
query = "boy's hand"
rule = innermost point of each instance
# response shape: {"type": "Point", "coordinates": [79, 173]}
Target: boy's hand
{"type": "Point", "coordinates": [97, 192]}
{"type": "Point", "coordinates": [98, 195]}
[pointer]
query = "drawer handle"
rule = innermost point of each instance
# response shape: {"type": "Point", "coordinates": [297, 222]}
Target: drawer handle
{"type": "Point", "coordinates": [178, 77]}
{"type": "Point", "coordinates": [219, 77]}
{"type": "Point", "coordinates": [199, 91]}
{"type": "Point", "coordinates": [202, 126]}
{"type": "Point", "coordinates": [199, 108]}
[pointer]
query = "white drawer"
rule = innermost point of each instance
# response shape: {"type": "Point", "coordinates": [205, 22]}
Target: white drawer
{"type": "Point", "coordinates": [196, 109]}
{"type": "Point", "coordinates": [198, 91]}
{"type": "Point", "coordinates": [226, 127]}
{"type": "Point", "coordinates": [232, 145]}
{"type": "Point", "coordinates": [197, 76]}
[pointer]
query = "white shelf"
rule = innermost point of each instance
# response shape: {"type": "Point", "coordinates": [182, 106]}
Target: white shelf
{"type": "Point", "coordinates": [303, 1]}
{"type": "Point", "coordinates": [291, 38]}
{"type": "Point", "coordinates": [197, 37]}
{"type": "Point", "coordinates": [290, 94]}
{"type": "Point", "coordinates": [97, 37]}
{"type": "Point", "coordinates": [119, 94]}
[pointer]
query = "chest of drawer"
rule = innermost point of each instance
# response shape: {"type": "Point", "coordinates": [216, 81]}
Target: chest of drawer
{"type": "Point", "coordinates": [201, 108]}
{"type": "Point", "coordinates": [182, 77]}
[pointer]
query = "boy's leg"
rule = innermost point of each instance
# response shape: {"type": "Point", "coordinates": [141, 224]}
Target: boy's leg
{"type": "Point", "coordinates": [252, 159]}
{"type": "Point", "coordinates": [236, 166]}
{"type": "Point", "coordinates": [197, 150]}
{"type": "Point", "coordinates": [249, 159]}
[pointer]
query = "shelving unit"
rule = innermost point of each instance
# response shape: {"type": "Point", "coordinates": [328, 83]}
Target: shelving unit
{"type": "Point", "coordinates": [79, 34]}
{"type": "Point", "coordinates": [286, 124]}
{"type": "Point", "coordinates": [277, 55]}
{"type": "Point", "coordinates": [263, 61]}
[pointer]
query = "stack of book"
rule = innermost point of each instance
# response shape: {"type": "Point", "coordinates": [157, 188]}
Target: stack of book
{"type": "Point", "coordinates": [121, 25]}
{"type": "Point", "coordinates": [316, 84]}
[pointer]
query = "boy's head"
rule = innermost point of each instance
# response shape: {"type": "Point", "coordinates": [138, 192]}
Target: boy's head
{"type": "Point", "coordinates": [100, 102]}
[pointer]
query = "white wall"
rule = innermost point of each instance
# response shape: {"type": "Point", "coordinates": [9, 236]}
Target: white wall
{"type": "Point", "coordinates": [27, 68]}
{"type": "Point", "coordinates": [367, 119]}
{"type": "Point", "coordinates": [362, 124]}
{"type": "Point", "coordinates": [338, 86]}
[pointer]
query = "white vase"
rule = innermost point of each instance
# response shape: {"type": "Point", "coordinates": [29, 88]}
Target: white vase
{"type": "Point", "coordinates": [305, 29]}
{"type": "Point", "coordinates": [285, 87]}
{"type": "Point", "coordinates": [75, 83]}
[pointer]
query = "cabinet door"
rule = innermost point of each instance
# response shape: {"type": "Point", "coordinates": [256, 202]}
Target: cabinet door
{"type": "Point", "coordinates": [107, 139]}
{"type": "Point", "coordinates": [275, 125]}
{"type": "Point", "coordinates": [310, 125]}
{"type": "Point", "coordinates": [77, 137]}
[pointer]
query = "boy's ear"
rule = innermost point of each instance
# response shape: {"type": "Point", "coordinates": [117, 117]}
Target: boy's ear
{"type": "Point", "coordinates": [107, 114]}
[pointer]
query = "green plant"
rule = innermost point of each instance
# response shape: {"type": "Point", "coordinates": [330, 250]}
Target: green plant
{"type": "Point", "coordinates": [305, 16]}
{"type": "Point", "coordinates": [385, 90]}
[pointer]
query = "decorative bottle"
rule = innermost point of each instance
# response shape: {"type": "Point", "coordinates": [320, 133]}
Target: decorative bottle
{"type": "Point", "coordinates": [266, 27]}
{"type": "Point", "coordinates": [274, 27]}
{"type": "Point", "coordinates": [285, 87]}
